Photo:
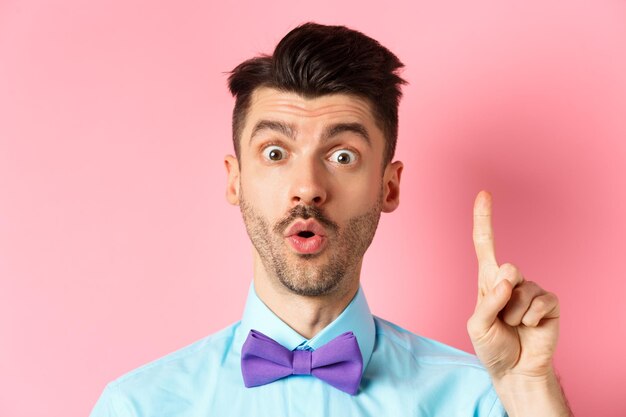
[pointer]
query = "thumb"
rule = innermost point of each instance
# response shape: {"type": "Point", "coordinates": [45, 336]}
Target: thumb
{"type": "Point", "coordinates": [488, 307]}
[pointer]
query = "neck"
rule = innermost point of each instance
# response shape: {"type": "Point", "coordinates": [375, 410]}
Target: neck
{"type": "Point", "coordinates": [306, 315]}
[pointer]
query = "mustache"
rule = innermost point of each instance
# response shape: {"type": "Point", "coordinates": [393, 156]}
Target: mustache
{"type": "Point", "coordinates": [305, 212]}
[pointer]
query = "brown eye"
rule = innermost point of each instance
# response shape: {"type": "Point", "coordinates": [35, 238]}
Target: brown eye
{"type": "Point", "coordinates": [274, 153]}
{"type": "Point", "coordinates": [343, 157]}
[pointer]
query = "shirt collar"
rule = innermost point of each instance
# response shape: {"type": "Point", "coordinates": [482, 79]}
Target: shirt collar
{"type": "Point", "coordinates": [356, 317]}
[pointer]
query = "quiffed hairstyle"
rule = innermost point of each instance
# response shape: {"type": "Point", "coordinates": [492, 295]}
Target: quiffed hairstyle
{"type": "Point", "coordinates": [313, 60]}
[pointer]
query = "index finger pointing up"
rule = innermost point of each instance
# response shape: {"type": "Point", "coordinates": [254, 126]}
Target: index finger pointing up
{"type": "Point", "coordinates": [483, 231]}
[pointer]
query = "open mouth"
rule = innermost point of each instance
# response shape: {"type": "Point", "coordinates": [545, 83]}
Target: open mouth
{"type": "Point", "coordinates": [306, 237]}
{"type": "Point", "coordinates": [307, 242]}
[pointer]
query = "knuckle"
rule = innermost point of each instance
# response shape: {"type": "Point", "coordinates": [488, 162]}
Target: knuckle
{"type": "Point", "coordinates": [470, 324]}
{"type": "Point", "coordinates": [472, 328]}
{"type": "Point", "coordinates": [508, 266]}
{"type": "Point", "coordinates": [540, 305]}
{"type": "Point", "coordinates": [510, 271]}
{"type": "Point", "coordinates": [523, 295]}
{"type": "Point", "coordinates": [536, 288]}
{"type": "Point", "coordinates": [532, 284]}
{"type": "Point", "coordinates": [554, 297]}
{"type": "Point", "coordinates": [510, 320]}
{"type": "Point", "coordinates": [529, 321]}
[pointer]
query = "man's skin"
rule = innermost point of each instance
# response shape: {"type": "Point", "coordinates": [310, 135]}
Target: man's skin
{"type": "Point", "coordinates": [292, 162]}
{"type": "Point", "coordinates": [514, 329]}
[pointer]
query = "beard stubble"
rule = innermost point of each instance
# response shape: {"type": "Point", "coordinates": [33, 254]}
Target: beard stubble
{"type": "Point", "coordinates": [298, 272]}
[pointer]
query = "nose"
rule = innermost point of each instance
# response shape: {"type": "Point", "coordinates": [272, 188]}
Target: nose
{"type": "Point", "coordinates": [308, 184]}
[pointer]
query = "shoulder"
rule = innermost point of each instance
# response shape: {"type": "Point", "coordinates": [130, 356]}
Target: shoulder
{"type": "Point", "coordinates": [166, 381]}
{"type": "Point", "coordinates": [431, 372]}
{"type": "Point", "coordinates": [411, 354]}
{"type": "Point", "coordinates": [176, 370]}
{"type": "Point", "coordinates": [422, 349]}
{"type": "Point", "coordinates": [205, 349]}
{"type": "Point", "coordinates": [169, 381]}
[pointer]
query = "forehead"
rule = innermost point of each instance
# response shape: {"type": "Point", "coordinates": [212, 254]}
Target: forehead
{"type": "Point", "coordinates": [269, 103]}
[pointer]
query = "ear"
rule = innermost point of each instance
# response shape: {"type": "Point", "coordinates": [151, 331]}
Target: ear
{"type": "Point", "coordinates": [391, 184]}
{"type": "Point", "coordinates": [232, 187]}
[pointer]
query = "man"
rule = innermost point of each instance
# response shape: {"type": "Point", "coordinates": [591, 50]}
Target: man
{"type": "Point", "coordinates": [314, 131]}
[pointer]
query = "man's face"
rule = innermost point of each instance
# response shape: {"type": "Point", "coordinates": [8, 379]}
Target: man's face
{"type": "Point", "coordinates": [311, 186]}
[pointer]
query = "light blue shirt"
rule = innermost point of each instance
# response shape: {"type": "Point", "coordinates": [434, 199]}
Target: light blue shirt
{"type": "Point", "coordinates": [403, 375]}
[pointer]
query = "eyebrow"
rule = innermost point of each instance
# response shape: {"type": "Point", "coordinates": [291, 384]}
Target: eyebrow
{"type": "Point", "coordinates": [280, 127]}
{"type": "Point", "coordinates": [357, 128]}
{"type": "Point", "coordinates": [331, 131]}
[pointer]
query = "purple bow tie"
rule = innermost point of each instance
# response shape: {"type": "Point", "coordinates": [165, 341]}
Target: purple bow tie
{"type": "Point", "coordinates": [338, 362]}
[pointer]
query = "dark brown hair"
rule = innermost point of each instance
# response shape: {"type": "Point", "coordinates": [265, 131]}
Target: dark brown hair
{"type": "Point", "coordinates": [313, 60]}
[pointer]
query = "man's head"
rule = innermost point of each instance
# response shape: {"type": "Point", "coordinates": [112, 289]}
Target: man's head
{"type": "Point", "coordinates": [313, 60]}
{"type": "Point", "coordinates": [314, 129]}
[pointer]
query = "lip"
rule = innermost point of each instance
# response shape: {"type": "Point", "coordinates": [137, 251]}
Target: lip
{"type": "Point", "coordinates": [306, 245]}
{"type": "Point", "coordinates": [310, 225]}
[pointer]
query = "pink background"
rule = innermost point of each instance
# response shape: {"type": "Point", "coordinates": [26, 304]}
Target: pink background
{"type": "Point", "coordinates": [117, 245]}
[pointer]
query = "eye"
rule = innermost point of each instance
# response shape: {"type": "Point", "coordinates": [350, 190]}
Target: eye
{"type": "Point", "coordinates": [343, 157]}
{"type": "Point", "coordinates": [274, 153]}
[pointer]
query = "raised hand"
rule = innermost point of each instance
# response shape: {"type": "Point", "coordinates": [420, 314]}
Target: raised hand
{"type": "Point", "coordinates": [515, 326]}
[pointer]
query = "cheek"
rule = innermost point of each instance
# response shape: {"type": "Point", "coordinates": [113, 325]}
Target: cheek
{"type": "Point", "coordinates": [262, 193]}
{"type": "Point", "coordinates": [363, 189]}
{"type": "Point", "coordinates": [354, 200]}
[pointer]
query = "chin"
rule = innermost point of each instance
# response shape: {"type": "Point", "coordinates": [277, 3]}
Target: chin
{"type": "Point", "coordinates": [312, 286]}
